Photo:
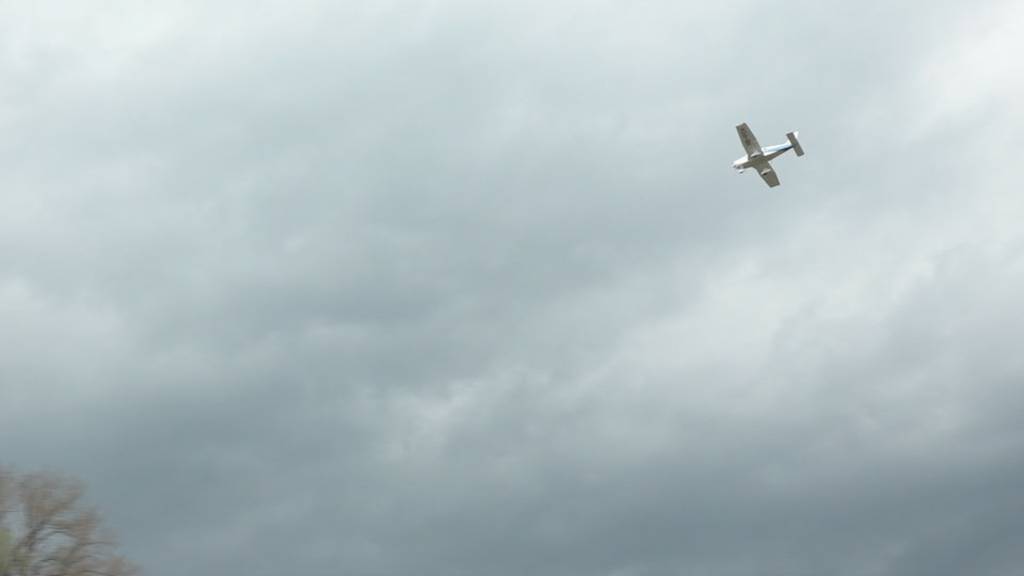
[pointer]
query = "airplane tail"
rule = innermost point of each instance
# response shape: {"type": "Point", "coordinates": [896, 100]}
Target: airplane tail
{"type": "Point", "coordinates": [792, 136]}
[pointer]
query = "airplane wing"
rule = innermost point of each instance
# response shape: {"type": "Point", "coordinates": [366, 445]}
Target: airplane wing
{"type": "Point", "coordinates": [767, 174]}
{"type": "Point", "coordinates": [749, 142]}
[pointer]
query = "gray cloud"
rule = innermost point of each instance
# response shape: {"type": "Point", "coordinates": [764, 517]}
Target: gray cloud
{"type": "Point", "coordinates": [440, 288]}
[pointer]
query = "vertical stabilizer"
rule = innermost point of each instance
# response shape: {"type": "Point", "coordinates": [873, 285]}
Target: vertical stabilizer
{"type": "Point", "coordinates": [796, 143]}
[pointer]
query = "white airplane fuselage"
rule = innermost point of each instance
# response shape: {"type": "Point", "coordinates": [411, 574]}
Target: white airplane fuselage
{"type": "Point", "coordinates": [767, 154]}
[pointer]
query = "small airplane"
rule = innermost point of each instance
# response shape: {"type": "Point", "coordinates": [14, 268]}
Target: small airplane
{"type": "Point", "coordinates": [757, 157]}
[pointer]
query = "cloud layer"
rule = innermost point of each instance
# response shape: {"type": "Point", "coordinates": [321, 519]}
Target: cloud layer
{"type": "Point", "coordinates": [442, 288]}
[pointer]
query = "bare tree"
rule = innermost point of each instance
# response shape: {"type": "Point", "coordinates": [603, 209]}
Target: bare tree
{"type": "Point", "coordinates": [46, 530]}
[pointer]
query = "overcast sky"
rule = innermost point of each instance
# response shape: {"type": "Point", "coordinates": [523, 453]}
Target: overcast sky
{"type": "Point", "coordinates": [446, 288]}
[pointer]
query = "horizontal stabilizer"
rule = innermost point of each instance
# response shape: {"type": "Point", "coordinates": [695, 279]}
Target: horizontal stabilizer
{"type": "Point", "coordinates": [796, 143]}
